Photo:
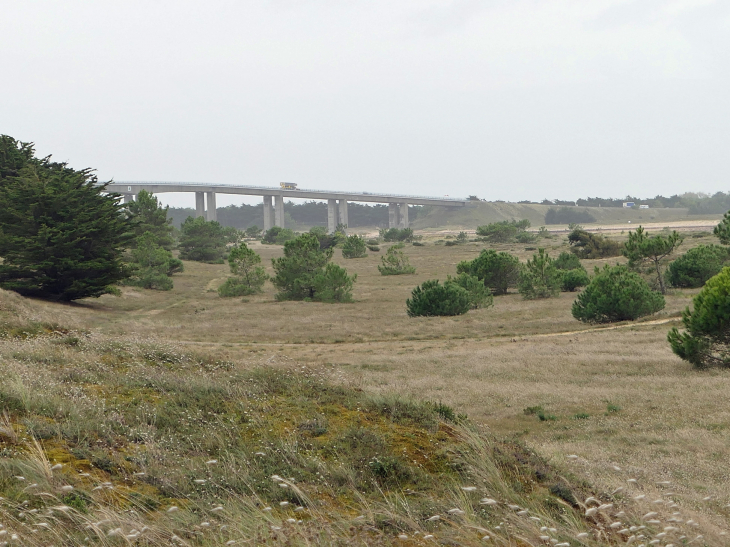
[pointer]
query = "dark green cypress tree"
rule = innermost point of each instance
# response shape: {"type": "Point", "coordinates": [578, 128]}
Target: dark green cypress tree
{"type": "Point", "coordinates": [62, 234]}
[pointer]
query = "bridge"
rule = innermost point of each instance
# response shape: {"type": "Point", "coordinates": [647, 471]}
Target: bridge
{"type": "Point", "coordinates": [274, 200]}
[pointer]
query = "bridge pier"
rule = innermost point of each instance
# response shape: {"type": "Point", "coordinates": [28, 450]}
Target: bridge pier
{"type": "Point", "coordinates": [393, 215]}
{"type": "Point", "coordinates": [403, 220]}
{"type": "Point", "coordinates": [343, 213]}
{"type": "Point", "coordinates": [128, 198]}
{"type": "Point", "coordinates": [212, 212]}
{"type": "Point", "coordinates": [331, 215]}
{"type": "Point", "coordinates": [268, 213]}
{"type": "Point", "coordinates": [199, 204]}
{"type": "Point", "coordinates": [279, 211]}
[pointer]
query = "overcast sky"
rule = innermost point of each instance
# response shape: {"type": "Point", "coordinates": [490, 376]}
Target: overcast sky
{"type": "Point", "coordinates": [505, 99]}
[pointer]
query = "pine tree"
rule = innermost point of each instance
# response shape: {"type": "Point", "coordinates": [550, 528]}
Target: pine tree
{"type": "Point", "coordinates": [202, 240]}
{"type": "Point", "coordinates": [149, 216]}
{"type": "Point", "coordinates": [62, 234]}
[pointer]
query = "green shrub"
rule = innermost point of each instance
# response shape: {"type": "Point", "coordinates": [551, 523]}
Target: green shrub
{"type": "Point", "coordinates": [498, 271]}
{"type": "Point", "coordinates": [296, 270]}
{"type": "Point", "coordinates": [567, 261]}
{"type": "Point", "coordinates": [418, 244]}
{"type": "Point", "coordinates": [642, 248]}
{"type": "Point", "coordinates": [539, 278]}
{"type": "Point", "coordinates": [502, 232]}
{"type": "Point", "coordinates": [202, 241]}
{"type": "Point", "coordinates": [616, 294]}
{"type": "Point", "coordinates": [697, 265]}
{"type": "Point", "coordinates": [333, 284]}
{"type": "Point", "coordinates": [570, 280]}
{"type": "Point", "coordinates": [248, 276]}
{"type": "Point", "coordinates": [374, 248]}
{"type": "Point", "coordinates": [395, 262]}
{"type": "Point", "coordinates": [253, 232]}
{"type": "Point", "coordinates": [151, 265]}
{"type": "Point", "coordinates": [276, 235]}
{"type": "Point", "coordinates": [451, 243]}
{"type": "Point", "coordinates": [354, 247]}
{"type": "Point", "coordinates": [432, 298]}
{"type": "Point", "coordinates": [525, 237]}
{"type": "Point", "coordinates": [587, 245]}
{"type": "Point", "coordinates": [479, 295]}
{"type": "Point", "coordinates": [706, 339]}
{"type": "Point", "coordinates": [397, 234]}
{"type": "Point", "coordinates": [462, 238]}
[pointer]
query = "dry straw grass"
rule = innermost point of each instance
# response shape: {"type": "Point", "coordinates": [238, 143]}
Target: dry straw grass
{"type": "Point", "coordinates": [618, 397]}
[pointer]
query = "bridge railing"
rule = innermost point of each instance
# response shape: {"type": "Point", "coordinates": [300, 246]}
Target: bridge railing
{"type": "Point", "coordinates": [274, 188]}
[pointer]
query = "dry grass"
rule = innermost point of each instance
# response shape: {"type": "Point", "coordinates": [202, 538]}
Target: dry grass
{"type": "Point", "coordinates": [619, 397]}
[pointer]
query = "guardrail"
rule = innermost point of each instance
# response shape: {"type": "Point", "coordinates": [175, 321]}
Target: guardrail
{"type": "Point", "coordinates": [274, 188]}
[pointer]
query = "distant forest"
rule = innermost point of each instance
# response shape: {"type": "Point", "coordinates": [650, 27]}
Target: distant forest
{"type": "Point", "coordinates": [697, 203]}
{"type": "Point", "coordinates": [309, 213]}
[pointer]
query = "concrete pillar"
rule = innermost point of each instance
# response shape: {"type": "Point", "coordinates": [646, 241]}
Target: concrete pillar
{"type": "Point", "coordinates": [331, 215]}
{"type": "Point", "coordinates": [279, 211]}
{"type": "Point", "coordinates": [212, 213]}
{"type": "Point", "coordinates": [268, 213]}
{"type": "Point", "coordinates": [128, 198]}
{"type": "Point", "coordinates": [199, 204]}
{"type": "Point", "coordinates": [393, 216]}
{"type": "Point", "coordinates": [403, 215]}
{"type": "Point", "coordinates": [343, 212]}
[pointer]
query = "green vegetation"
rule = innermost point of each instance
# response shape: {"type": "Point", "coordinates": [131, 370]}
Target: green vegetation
{"type": "Point", "coordinates": [568, 215]}
{"type": "Point", "coordinates": [588, 246]}
{"type": "Point", "coordinates": [248, 276]}
{"type": "Point", "coordinates": [395, 262]}
{"type": "Point", "coordinates": [722, 230]}
{"type": "Point", "coordinates": [498, 271]}
{"type": "Point", "coordinates": [303, 273]}
{"type": "Point", "coordinates": [654, 250]}
{"type": "Point", "coordinates": [539, 278]}
{"type": "Point", "coordinates": [505, 231]}
{"type": "Point", "coordinates": [202, 241]}
{"type": "Point", "coordinates": [151, 265]}
{"type": "Point", "coordinates": [432, 299]}
{"type": "Point", "coordinates": [62, 237]}
{"type": "Point", "coordinates": [479, 295]}
{"type": "Point", "coordinates": [397, 234]}
{"type": "Point", "coordinates": [253, 232]}
{"type": "Point", "coordinates": [354, 247]}
{"type": "Point", "coordinates": [150, 217]}
{"type": "Point", "coordinates": [571, 271]}
{"type": "Point", "coordinates": [276, 235]}
{"type": "Point", "coordinates": [616, 294]}
{"type": "Point", "coordinates": [696, 266]}
{"type": "Point", "coordinates": [706, 339]}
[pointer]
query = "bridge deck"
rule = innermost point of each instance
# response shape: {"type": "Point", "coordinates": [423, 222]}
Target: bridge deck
{"type": "Point", "coordinates": [162, 187]}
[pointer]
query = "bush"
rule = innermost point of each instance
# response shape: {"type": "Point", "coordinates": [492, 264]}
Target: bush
{"type": "Point", "coordinates": [276, 235]}
{"type": "Point", "coordinates": [498, 232]}
{"type": "Point", "coordinates": [395, 262]}
{"type": "Point", "coordinates": [654, 250]}
{"type": "Point", "coordinates": [304, 273]}
{"type": "Point", "coordinates": [397, 234]}
{"type": "Point", "coordinates": [253, 232]}
{"type": "Point", "coordinates": [696, 266]}
{"type": "Point", "coordinates": [706, 340]}
{"type": "Point", "coordinates": [587, 245]}
{"type": "Point", "coordinates": [616, 294]}
{"type": "Point", "coordinates": [568, 215]}
{"type": "Point", "coordinates": [498, 271]}
{"type": "Point", "coordinates": [479, 295]}
{"type": "Point", "coordinates": [567, 261]}
{"type": "Point", "coordinates": [525, 237]}
{"type": "Point", "coordinates": [462, 238]}
{"type": "Point", "coordinates": [431, 299]}
{"type": "Point", "coordinates": [539, 278]}
{"type": "Point", "coordinates": [151, 265]}
{"type": "Point", "coordinates": [248, 276]}
{"type": "Point", "coordinates": [354, 247]}
{"type": "Point", "coordinates": [202, 240]}
{"type": "Point", "coordinates": [570, 280]}
{"type": "Point", "coordinates": [333, 284]}
{"type": "Point", "coordinates": [374, 248]}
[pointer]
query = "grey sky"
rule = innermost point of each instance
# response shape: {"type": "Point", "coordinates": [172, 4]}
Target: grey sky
{"type": "Point", "coordinates": [505, 99]}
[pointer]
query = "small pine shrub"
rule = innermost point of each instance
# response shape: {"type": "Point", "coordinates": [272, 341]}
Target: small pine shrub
{"type": "Point", "coordinates": [479, 295]}
{"type": "Point", "coordinates": [570, 280]}
{"type": "Point", "coordinates": [248, 276]}
{"type": "Point", "coordinates": [433, 299]}
{"type": "Point", "coordinates": [616, 294]}
{"type": "Point", "coordinates": [354, 247]}
{"type": "Point", "coordinates": [418, 244]}
{"type": "Point", "coordinates": [333, 284]}
{"type": "Point", "coordinates": [498, 271]}
{"type": "Point", "coordinates": [567, 261]}
{"type": "Point", "coordinates": [374, 248]}
{"type": "Point", "coordinates": [539, 278]}
{"type": "Point", "coordinates": [395, 262]}
{"type": "Point", "coordinates": [696, 266]}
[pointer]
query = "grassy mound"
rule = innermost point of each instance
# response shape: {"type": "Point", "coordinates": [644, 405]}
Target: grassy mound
{"type": "Point", "coordinates": [116, 441]}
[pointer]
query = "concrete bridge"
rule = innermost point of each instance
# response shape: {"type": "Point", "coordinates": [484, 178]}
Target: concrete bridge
{"type": "Point", "coordinates": [274, 200]}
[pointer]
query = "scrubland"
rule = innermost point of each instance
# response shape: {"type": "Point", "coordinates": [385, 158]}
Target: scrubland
{"type": "Point", "coordinates": [180, 417]}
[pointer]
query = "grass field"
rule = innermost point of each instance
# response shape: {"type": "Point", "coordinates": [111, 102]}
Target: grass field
{"type": "Point", "coordinates": [526, 370]}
